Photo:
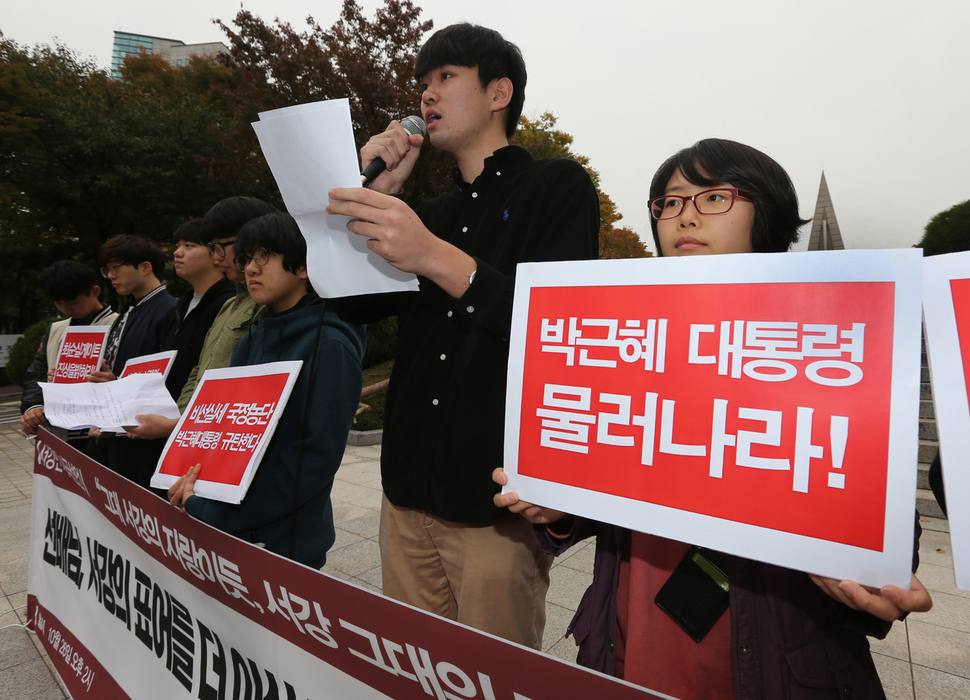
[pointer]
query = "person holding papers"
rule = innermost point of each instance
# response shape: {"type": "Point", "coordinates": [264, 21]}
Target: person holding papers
{"type": "Point", "coordinates": [445, 548]}
{"type": "Point", "coordinates": [288, 504]}
{"type": "Point", "coordinates": [645, 618]}
{"type": "Point", "coordinates": [133, 265]}
{"type": "Point", "coordinates": [75, 292]}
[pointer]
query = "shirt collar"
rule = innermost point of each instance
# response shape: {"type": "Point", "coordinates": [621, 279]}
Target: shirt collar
{"type": "Point", "coordinates": [506, 158]}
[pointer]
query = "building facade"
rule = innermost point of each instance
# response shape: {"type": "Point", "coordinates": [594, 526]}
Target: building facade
{"type": "Point", "coordinates": [172, 50]}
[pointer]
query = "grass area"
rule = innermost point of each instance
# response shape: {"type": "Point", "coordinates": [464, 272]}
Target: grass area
{"type": "Point", "coordinates": [373, 419]}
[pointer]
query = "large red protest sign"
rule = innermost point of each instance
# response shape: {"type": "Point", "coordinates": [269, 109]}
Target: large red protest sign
{"type": "Point", "coordinates": [960, 291]}
{"type": "Point", "coordinates": [226, 428]}
{"type": "Point", "coordinates": [946, 308]}
{"type": "Point", "coordinates": [80, 354]}
{"type": "Point", "coordinates": [751, 400]}
{"type": "Point", "coordinates": [157, 363]}
{"type": "Point", "coordinates": [754, 396]}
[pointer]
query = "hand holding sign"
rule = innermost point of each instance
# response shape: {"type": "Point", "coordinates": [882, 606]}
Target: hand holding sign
{"type": "Point", "coordinates": [537, 515]}
{"type": "Point", "coordinates": [180, 491]}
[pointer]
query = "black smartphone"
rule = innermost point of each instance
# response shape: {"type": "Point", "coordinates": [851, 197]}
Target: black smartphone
{"type": "Point", "coordinates": [697, 592]}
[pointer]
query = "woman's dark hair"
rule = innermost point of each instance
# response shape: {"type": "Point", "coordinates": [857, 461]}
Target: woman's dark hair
{"type": "Point", "coordinates": [277, 233]}
{"type": "Point", "coordinates": [66, 280]}
{"type": "Point", "coordinates": [472, 46]}
{"type": "Point", "coordinates": [713, 162]}
{"type": "Point", "coordinates": [132, 250]}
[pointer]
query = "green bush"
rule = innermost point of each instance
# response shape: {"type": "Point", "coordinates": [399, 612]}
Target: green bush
{"type": "Point", "coordinates": [23, 351]}
{"type": "Point", "coordinates": [381, 342]}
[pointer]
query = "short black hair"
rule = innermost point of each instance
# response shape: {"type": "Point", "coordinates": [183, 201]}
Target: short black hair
{"type": "Point", "coordinates": [277, 233]}
{"type": "Point", "coordinates": [66, 280]}
{"type": "Point", "coordinates": [712, 162]}
{"type": "Point", "coordinates": [226, 217]}
{"type": "Point", "coordinates": [473, 46]}
{"type": "Point", "coordinates": [132, 250]}
{"type": "Point", "coordinates": [193, 231]}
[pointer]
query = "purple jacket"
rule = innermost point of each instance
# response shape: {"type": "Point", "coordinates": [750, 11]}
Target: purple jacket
{"type": "Point", "coordinates": [788, 638]}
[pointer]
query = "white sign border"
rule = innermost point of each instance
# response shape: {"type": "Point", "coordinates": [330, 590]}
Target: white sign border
{"type": "Point", "coordinates": [230, 493]}
{"type": "Point", "coordinates": [950, 398]}
{"type": "Point", "coordinates": [902, 267]}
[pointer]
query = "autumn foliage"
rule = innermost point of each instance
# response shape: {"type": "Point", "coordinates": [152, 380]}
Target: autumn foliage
{"type": "Point", "coordinates": [84, 157]}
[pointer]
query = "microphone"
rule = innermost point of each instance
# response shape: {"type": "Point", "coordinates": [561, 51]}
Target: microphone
{"type": "Point", "coordinates": [412, 125]}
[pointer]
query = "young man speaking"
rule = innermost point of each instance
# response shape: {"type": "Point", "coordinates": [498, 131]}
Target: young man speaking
{"type": "Point", "coordinates": [445, 547]}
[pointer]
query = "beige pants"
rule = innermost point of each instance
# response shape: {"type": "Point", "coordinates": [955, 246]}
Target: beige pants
{"type": "Point", "coordinates": [492, 577]}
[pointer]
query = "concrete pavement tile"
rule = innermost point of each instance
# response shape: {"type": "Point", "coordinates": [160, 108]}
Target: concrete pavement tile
{"type": "Point", "coordinates": [358, 495]}
{"type": "Point", "coordinates": [373, 578]}
{"type": "Point", "coordinates": [936, 685]}
{"type": "Point", "coordinates": [351, 457]}
{"type": "Point", "coordinates": [372, 452]}
{"type": "Point", "coordinates": [567, 586]}
{"type": "Point", "coordinates": [336, 573]}
{"type": "Point", "coordinates": [940, 648]}
{"type": "Point", "coordinates": [896, 677]}
{"type": "Point", "coordinates": [895, 645]}
{"type": "Point", "coordinates": [344, 539]}
{"type": "Point", "coordinates": [14, 525]}
{"type": "Point", "coordinates": [33, 681]}
{"type": "Point", "coordinates": [949, 611]}
{"type": "Point", "coordinates": [934, 548]}
{"type": "Point", "coordinates": [582, 560]}
{"type": "Point", "coordinates": [364, 526]}
{"type": "Point", "coordinates": [557, 620]}
{"type": "Point", "coordinates": [342, 512]}
{"type": "Point", "coordinates": [939, 579]}
{"type": "Point", "coordinates": [938, 524]}
{"type": "Point", "coordinates": [362, 472]}
{"type": "Point", "coordinates": [13, 570]}
{"type": "Point", "coordinates": [356, 558]}
{"type": "Point", "coordinates": [565, 649]}
{"type": "Point", "coordinates": [365, 585]}
{"type": "Point", "coordinates": [15, 644]}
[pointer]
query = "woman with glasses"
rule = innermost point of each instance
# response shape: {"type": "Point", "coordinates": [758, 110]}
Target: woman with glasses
{"type": "Point", "coordinates": [745, 629]}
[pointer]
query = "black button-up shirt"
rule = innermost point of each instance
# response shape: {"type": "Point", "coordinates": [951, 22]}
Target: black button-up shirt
{"type": "Point", "coordinates": [445, 414]}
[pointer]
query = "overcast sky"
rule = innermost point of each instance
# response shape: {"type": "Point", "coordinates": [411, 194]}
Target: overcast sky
{"type": "Point", "coordinates": [874, 92]}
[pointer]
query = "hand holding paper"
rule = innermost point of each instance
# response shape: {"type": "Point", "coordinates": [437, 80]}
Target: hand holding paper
{"type": "Point", "coordinates": [310, 149]}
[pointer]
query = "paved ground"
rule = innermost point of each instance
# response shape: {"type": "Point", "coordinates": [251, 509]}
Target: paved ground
{"type": "Point", "coordinates": [925, 658]}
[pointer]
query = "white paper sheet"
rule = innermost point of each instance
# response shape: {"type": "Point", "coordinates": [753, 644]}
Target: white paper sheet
{"type": "Point", "coordinates": [310, 150]}
{"type": "Point", "coordinates": [108, 405]}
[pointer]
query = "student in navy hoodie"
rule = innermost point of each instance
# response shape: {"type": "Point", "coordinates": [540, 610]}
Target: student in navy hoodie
{"type": "Point", "coordinates": [288, 507]}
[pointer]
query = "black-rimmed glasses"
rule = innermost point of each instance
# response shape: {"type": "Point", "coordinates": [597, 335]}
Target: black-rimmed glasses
{"type": "Point", "coordinates": [714, 201]}
{"type": "Point", "coordinates": [219, 248]}
{"type": "Point", "coordinates": [260, 256]}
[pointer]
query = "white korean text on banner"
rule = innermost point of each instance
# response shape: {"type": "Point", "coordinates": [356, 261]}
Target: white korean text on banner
{"type": "Point", "coordinates": [762, 405]}
{"type": "Point", "coordinates": [80, 353]}
{"type": "Point", "coordinates": [133, 599]}
{"type": "Point", "coordinates": [226, 428]}
{"type": "Point", "coordinates": [946, 310]}
{"type": "Point", "coordinates": [157, 363]}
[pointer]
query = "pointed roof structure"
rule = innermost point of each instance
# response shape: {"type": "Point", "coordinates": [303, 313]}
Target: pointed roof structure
{"type": "Point", "coordinates": [825, 228]}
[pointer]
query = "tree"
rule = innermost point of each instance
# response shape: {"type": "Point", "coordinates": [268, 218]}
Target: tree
{"type": "Point", "coordinates": [370, 63]}
{"type": "Point", "coordinates": [948, 231]}
{"type": "Point", "coordinates": [541, 138]}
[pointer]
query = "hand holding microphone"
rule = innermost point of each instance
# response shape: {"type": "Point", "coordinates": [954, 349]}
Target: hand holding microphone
{"type": "Point", "coordinates": [390, 156]}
